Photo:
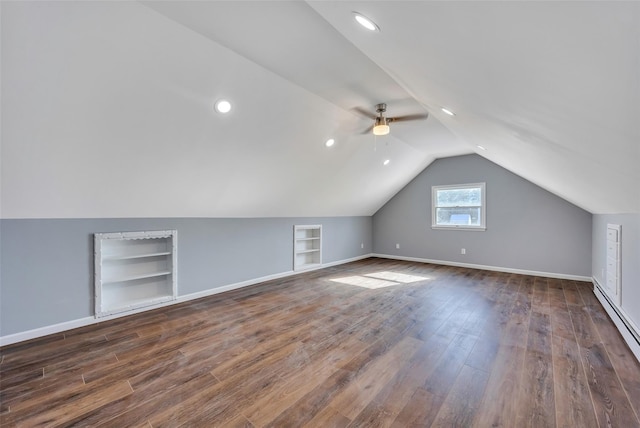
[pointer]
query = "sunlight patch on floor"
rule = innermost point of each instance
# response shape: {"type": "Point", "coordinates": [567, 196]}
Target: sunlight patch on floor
{"type": "Point", "coordinates": [377, 280]}
{"type": "Point", "coordinates": [365, 282]}
{"type": "Point", "coordinates": [397, 277]}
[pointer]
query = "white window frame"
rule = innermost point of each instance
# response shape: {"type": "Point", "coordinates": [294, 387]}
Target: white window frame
{"type": "Point", "coordinates": [483, 207]}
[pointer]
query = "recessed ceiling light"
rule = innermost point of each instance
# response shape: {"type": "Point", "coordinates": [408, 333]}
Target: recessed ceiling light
{"type": "Point", "coordinates": [447, 111]}
{"type": "Point", "coordinates": [366, 22]}
{"type": "Point", "coordinates": [481, 147]}
{"type": "Point", "coordinates": [386, 162]}
{"type": "Point", "coordinates": [330, 142]}
{"type": "Point", "coordinates": [223, 106]}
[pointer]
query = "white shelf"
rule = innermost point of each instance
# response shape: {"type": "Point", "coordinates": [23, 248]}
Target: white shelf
{"type": "Point", "coordinates": [134, 269]}
{"type": "Point", "coordinates": [307, 246]}
{"type": "Point", "coordinates": [135, 303]}
{"type": "Point", "coordinates": [136, 256]}
{"type": "Point", "coordinates": [137, 276]}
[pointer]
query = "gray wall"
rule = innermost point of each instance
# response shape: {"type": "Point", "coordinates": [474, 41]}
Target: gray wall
{"type": "Point", "coordinates": [47, 264]}
{"type": "Point", "coordinates": [630, 252]}
{"type": "Point", "coordinates": [528, 228]}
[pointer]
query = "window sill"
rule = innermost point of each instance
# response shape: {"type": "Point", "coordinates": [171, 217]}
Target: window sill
{"type": "Point", "coordinates": [469, 228]}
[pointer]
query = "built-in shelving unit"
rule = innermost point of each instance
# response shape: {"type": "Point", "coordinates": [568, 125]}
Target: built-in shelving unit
{"type": "Point", "coordinates": [611, 293]}
{"type": "Point", "coordinates": [613, 282]}
{"type": "Point", "coordinates": [134, 270]}
{"type": "Point", "coordinates": [307, 246]}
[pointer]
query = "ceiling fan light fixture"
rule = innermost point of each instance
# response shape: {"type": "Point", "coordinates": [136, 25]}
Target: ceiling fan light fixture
{"type": "Point", "coordinates": [381, 127]}
{"type": "Point", "coordinates": [366, 22]}
{"type": "Point", "coordinates": [381, 130]}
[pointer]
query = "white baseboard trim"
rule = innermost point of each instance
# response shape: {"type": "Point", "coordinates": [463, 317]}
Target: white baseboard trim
{"type": "Point", "coordinates": [47, 330]}
{"type": "Point", "coordinates": [255, 281]}
{"type": "Point", "coordinates": [483, 267]}
{"type": "Point", "coordinates": [342, 262]}
{"type": "Point", "coordinates": [82, 322]}
{"type": "Point", "coordinates": [629, 331]}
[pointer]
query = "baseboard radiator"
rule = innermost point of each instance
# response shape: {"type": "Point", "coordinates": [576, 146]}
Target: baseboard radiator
{"type": "Point", "coordinates": [627, 328]}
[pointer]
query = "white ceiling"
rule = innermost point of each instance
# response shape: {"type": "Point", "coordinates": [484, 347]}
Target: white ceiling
{"type": "Point", "coordinates": [551, 89]}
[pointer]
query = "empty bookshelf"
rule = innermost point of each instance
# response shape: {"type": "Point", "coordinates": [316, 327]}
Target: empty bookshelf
{"type": "Point", "coordinates": [307, 246]}
{"type": "Point", "coordinates": [134, 270]}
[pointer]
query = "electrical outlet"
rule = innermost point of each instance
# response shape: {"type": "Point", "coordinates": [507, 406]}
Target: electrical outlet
{"type": "Point", "coordinates": [397, 246]}
{"type": "Point", "coordinates": [463, 251]}
{"type": "Point", "coordinates": [362, 245]}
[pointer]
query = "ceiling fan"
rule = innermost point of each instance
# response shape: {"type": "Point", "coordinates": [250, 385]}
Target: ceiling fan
{"type": "Point", "coordinates": [381, 123]}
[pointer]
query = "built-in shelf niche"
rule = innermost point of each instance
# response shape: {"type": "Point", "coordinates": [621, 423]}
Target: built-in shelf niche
{"type": "Point", "coordinates": [307, 246]}
{"type": "Point", "coordinates": [613, 277]}
{"type": "Point", "coordinates": [134, 270]}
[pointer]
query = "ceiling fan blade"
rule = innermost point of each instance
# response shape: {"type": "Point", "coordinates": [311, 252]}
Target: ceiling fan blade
{"type": "Point", "coordinates": [365, 113]}
{"type": "Point", "coordinates": [408, 117]}
{"type": "Point", "coordinates": [367, 131]}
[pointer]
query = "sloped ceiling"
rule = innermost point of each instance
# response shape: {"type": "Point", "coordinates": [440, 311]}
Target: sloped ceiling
{"type": "Point", "coordinates": [117, 96]}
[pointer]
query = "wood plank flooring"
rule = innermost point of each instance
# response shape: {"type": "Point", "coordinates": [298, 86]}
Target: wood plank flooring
{"type": "Point", "coordinates": [374, 343]}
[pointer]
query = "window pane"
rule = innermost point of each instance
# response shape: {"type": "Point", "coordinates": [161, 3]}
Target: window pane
{"type": "Point", "coordinates": [458, 216]}
{"type": "Point", "coordinates": [459, 197]}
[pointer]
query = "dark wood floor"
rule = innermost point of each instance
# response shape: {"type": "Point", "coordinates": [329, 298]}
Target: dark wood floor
{"type": "Point", "coordinates": [371, 343]}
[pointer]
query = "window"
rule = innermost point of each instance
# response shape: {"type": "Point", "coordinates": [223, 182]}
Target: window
{"type": "Point", "coordinates": [460, 206]}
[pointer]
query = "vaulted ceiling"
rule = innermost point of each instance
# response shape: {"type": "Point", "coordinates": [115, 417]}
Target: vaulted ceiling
{"type": "Point", "coordinates": [107, 107]}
